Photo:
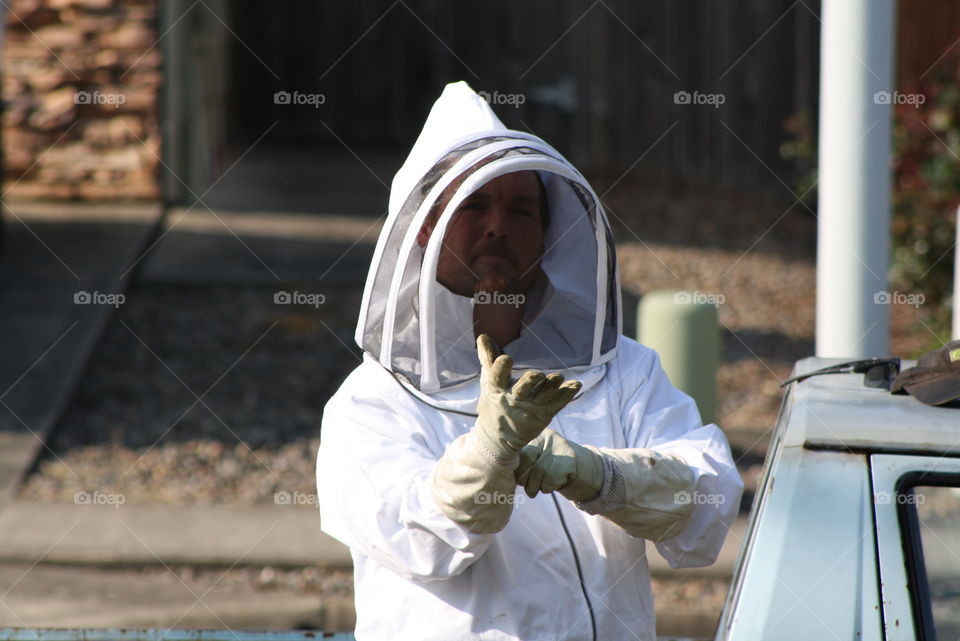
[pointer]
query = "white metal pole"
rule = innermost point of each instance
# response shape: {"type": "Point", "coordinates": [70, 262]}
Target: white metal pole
{"type": "Point", "coordinates": [856, 92]}
{"type": "Point", "coordinates": [956, 282]}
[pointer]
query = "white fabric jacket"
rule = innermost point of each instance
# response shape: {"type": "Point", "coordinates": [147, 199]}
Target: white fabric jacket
{"type": "Point", "coordinates": [555, 571]}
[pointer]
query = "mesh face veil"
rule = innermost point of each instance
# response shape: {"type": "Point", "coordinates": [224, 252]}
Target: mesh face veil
{"type": "Point", "coordinates": [423, 332]}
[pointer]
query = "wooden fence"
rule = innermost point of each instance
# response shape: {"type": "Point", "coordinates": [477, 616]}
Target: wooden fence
{"type": "Point", "coordinates": [597, 80]}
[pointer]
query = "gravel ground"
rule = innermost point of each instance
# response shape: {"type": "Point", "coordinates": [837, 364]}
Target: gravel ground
{"type": "Point", "coordinates": [261, 372]}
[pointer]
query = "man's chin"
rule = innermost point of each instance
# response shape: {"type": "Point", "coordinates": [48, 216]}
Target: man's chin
{"type": "Point", "coordinates": [490, 283]}
{"type": "Point", "coordinates": [496, 284]}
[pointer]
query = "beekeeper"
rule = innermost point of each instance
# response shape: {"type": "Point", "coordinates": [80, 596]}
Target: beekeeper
{"type": "Point", "coordinates": [500, 458]}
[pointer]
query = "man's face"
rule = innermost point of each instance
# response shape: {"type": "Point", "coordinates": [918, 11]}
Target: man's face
{"type": "Point", "coordinates": [494, 241]}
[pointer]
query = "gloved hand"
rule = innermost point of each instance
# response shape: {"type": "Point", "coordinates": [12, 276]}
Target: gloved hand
{"type": "Point", "coordinates": [509, 418]}
{"type": "Point", "coordinates": [473, 482]}
{"type": "Point", "coordinates": [639, 489]}
{"type": "Point", "coordinates": [552, 463]}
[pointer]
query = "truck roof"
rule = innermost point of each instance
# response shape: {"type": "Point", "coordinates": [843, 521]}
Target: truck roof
{"type": "Point", "coordinates": [837, 411]}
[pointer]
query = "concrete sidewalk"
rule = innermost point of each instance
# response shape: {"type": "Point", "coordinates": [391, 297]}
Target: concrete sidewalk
{"type": "Point", "coordinates": [214, 535]}
{"type": "Point", "coordinates": [82, 565]}
{"type": "Point", "coordinates": [51, 596]}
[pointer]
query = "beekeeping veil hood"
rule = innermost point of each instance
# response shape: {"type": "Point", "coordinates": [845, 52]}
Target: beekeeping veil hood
{"type": "Point", "coordinates": [423, 332]}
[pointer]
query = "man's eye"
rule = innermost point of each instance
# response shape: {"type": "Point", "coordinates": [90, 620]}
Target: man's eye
{"type": "Point", "coordinates": [524, 213]}
{"type": "Point", "coordinates": [472, 206]}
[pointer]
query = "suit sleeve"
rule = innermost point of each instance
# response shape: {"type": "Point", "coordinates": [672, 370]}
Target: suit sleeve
{"type": "Point", "coordinates": [373, 471]}
{"type": "Point", "coordinates": [685, 467]}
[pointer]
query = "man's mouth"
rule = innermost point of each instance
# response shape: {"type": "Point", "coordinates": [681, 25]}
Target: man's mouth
{"type": "Point", "coordinates": [495, 256]}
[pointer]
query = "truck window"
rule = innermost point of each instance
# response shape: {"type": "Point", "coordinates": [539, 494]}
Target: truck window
{"type": "Point", "coordinates": [933, 515]}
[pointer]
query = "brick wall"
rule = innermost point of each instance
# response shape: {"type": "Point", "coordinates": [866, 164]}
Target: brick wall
{"type": "Point", "coordinates": [81, 81]}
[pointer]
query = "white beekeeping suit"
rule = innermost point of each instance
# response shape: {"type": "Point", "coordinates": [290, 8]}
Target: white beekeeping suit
{"type": "Point", "coordinates": [557, 569]}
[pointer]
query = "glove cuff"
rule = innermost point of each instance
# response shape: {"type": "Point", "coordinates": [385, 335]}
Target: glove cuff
{"type": "Point", "coordinates": [470, 490]}
{"type": "Point", "coordinates": [613, 494]}
{"type": "Point", "coordinates": [492, 451]}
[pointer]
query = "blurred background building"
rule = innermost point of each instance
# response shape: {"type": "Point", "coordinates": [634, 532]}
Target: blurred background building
{"type": "Point", "coordinates": [138, 99]}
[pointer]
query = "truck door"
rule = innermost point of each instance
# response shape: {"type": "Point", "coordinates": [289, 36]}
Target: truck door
{"type": "Point", "coordinates": [917, 511]}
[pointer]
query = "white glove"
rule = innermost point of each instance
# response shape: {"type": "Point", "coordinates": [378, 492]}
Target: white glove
{"type": "Point", "coordinates": [552, 463]}
{"type": "Point", "coordinates": [647, 493]}
{"type": "Point", "coordinates": [473, 482]}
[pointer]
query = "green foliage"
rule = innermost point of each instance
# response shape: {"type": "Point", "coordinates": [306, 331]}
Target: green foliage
{"type": "Point", "coordinates": [926, 188]}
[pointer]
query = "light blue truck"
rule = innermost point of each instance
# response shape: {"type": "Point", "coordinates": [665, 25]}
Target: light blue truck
{"type": "Point", "coordinates": [855, 531]}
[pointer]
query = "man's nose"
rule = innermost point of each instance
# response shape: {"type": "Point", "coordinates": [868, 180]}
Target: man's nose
{"type": "Point", "coordinates": [497, 223]}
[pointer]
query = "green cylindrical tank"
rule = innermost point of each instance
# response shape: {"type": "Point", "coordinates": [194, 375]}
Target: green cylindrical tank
{"type": "Point", "coordinates": [682, 327]}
